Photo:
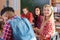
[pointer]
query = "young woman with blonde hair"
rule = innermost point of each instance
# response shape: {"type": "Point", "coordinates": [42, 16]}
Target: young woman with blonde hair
{"type": "Point", "coordinates": [48, 26]}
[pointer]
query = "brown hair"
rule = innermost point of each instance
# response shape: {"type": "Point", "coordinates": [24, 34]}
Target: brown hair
{"type": "Point", "coordinates": [25, 8]}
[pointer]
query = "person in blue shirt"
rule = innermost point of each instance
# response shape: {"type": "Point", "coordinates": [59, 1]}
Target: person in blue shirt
{"type": "Point", "coordinates": [16, 28]}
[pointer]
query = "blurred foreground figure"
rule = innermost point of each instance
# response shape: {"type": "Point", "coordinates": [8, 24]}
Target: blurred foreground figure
{"type": "Point", "coordinates": [16, 28]}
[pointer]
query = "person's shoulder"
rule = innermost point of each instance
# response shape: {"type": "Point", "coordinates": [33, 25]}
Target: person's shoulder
{"type": "Point", "coordinates": [30, 12]}
{"type": "Point", "coordinates": [15, 18]}
{"type": "Point", "coordinates": [8, 21]}
{"type": "Point", "coordinates": [51, 22]}
{"type": "Point", "coordinates": [24, 18]}
{"type": "Point", "coordinates": [22, 14]}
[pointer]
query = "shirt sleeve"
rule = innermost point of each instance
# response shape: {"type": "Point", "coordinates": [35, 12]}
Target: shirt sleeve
{"type": "Point", "coordinates": [31, 18]}
{"type": "Point", "coordinates": [7, 32]}
{"type": "Point", "coordinates": [49, 29]}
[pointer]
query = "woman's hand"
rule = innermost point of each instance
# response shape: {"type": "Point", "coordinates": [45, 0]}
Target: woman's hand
{"type": "Point", "coordinates": [36, 30]}
{"type": "Point", "coordinates": [42, 37]}
{"type": "Point", "coordinates": [38, 33]}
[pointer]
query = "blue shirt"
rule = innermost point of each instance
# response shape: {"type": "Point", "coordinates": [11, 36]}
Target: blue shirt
{"type": "Point", "coordinates": [22, 29]}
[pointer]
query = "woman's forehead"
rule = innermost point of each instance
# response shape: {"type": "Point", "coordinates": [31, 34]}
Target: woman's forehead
{"type": "Point", "coordinates": [47, 7]}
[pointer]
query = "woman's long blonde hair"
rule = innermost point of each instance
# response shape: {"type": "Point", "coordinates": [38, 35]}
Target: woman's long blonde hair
{"type": "Point", "coordinates": [50, 17]}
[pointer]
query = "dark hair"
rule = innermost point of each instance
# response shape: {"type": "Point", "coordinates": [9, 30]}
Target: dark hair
{"type": "Point", "coordinates": [5, 9]}
{"type": "Point", "coordinates": [34, 10]}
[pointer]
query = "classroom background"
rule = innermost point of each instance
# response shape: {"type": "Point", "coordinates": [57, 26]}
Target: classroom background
{"type": "Point", "coordinates": [19, 4]}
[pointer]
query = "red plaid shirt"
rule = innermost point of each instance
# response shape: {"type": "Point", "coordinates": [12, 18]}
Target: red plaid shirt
{"type": "Point", "coordinates": [7, 32]}
{"type": "Point", "coordinates": [49, 29]}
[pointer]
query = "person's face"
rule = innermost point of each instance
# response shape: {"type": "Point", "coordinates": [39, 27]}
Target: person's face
{"type": "Point", "coordinates": [47, 11]}
{"type": "Point", "coordinates": [37, 11]}
{"type": "Point", "coordinates": [25, 11]}
{"type": "Point", "coordinates": [7, 15]}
